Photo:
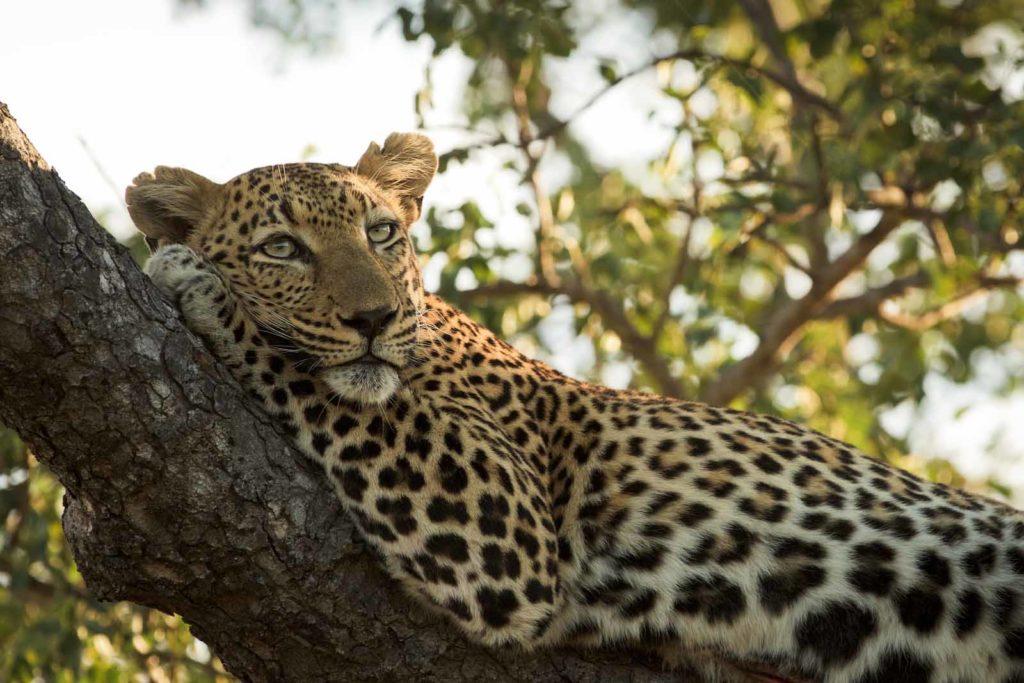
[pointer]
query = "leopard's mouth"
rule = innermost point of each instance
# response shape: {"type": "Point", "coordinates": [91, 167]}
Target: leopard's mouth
{"type": "Point", "coordinates": [368, 359]}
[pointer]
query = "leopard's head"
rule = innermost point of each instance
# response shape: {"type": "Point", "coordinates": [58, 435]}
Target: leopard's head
{"type": "Point", "coordinates": [320, 255]}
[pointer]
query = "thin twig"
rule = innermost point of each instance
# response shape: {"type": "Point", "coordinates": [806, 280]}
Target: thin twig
{"type": "Point", "coordinates": [869, 301]}
{"type": "Point", "coordinates": [545, 214]}
{"type": "Point", "coordinates": [683, 255]}
{"type": "Point", "coordinates": [676, 278]}
{"type": "Point", "coordinates": [890, 312]}
{"type": "Point", "coordinates": [118, 193]}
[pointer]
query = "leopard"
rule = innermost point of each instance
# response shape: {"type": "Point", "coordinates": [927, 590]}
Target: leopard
{"type": "Point", "coordinates": [536, 510]}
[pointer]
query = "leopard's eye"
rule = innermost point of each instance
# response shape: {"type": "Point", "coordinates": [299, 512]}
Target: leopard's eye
{"type": "Point", "coordinates": [280, 247]}
{"type": "Point", "coordinates": [381, 233]}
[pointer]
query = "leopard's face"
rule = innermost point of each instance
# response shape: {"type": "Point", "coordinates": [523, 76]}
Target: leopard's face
{"type": "Point", "coordinates": [324, 262]}
{"type": "Point", "coordinates": [319, 254]}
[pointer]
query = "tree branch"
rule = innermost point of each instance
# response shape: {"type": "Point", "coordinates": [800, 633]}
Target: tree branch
{"type": "Point", "coordinates": [761, 15]}
{"type": "Point", "coordinates": [869, 301]}
{"type": "Point", "coordinates": [880, 300]}
{"type": "Point", "coordinates": [613, 316]}
{"type": "Point", "coordinates": [508, 288]}
{"type": "Point", "coordinates": [675, 278]}
{"type": "Point", "coordinates": [890, 312]}
{"type": "Point", "coordinates": [682, 261]}
{"type": "Point", "coordinates": [640, 346]}
{"type": "Point", "coordinates": [782, 251]}
{"type": "Point", "coordinates": [181, 495]}
{"type": "Point", "coordinates": [544, 238]}
{"type": "Point", "coordinates": [781, 329]}
{"type": "Point", "coordinates": [575, 285]}
{"type": "Point", "coordinates": [785, 81]}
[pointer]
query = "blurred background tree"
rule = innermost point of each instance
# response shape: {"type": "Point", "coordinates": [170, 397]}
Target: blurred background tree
{"type": "Point", "coordinates": [826, 228]}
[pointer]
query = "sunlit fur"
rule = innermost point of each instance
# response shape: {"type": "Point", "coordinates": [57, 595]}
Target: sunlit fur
{"type": "Point", "coordinates": [536, 510]}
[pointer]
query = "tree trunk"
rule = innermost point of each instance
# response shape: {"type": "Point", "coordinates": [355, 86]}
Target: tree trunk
{"type": "Point", "coordinates": [181, 493]}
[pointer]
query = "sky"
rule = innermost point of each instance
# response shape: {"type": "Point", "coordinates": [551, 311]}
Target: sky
{"type": "Point", "coordinates": [110, 89]}
{"type": "Point", "coordinates": [140, 83]}
{"type": "Point", "coordinates": [125, 85]}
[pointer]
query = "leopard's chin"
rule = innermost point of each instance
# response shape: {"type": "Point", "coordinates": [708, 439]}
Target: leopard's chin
{"type": "Point", "coordinates": [368, 383]}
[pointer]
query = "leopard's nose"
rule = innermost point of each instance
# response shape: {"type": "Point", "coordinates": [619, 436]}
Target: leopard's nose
{"type": "Point", "coordinates": [369, 323]}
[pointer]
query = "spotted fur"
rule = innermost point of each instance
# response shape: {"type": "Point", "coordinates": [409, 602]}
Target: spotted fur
{"type": "Point", "coordinates": [537, 510]}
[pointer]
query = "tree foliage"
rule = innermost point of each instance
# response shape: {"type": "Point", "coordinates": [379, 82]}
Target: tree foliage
{"type": "Point", "coordinates": [832, 219]}
{"type": "Point", "coordinates": [834, 169]}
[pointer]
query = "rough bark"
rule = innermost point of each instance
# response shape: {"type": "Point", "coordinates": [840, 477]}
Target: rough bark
{"type": "Point", "coordinates": [181, 494]}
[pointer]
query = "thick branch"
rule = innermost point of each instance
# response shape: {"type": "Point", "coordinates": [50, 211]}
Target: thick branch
{"type": "Point", "coordinates": [181, 495]}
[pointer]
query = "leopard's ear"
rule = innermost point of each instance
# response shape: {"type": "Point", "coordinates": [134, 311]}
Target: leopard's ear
{"type": "Point", "coordinates": [169, 203]}
{"type": "Point", "coordinates": [405, 165]}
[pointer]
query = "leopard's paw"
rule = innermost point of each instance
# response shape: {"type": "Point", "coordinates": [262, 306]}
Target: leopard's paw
{"type": "Point", "coordinates": [174, 268]}
{"type": "Point", "coordinates": [195, 286]}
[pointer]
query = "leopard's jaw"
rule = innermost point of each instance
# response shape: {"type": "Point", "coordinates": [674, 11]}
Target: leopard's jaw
{"type": "Point", "coordinates": [366, 383]}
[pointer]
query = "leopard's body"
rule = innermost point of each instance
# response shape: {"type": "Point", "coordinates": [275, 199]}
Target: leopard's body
{"type": "Point", "coordinates": [535, 509]}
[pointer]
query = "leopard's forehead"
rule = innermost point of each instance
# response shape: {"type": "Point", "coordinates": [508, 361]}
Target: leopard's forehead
{"type": "Point", "coordinates": [303, 175]}
{"type": "Point", "coordinates": [314, 194]}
